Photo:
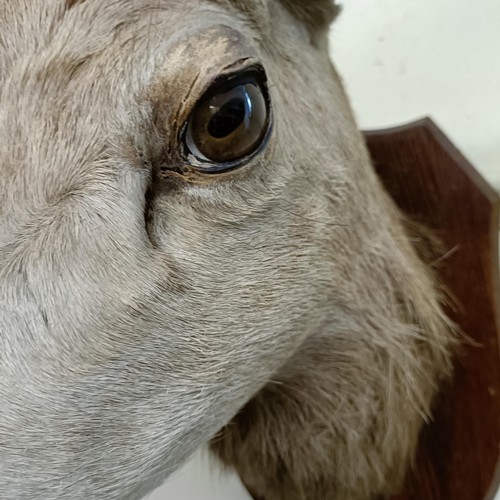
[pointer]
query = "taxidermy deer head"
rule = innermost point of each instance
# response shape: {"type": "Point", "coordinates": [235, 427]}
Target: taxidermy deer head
{"type": "Point", "coordinates": [191, 232]}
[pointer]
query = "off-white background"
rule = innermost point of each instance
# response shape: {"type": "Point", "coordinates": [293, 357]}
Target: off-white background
{"type": "Point", "coordinates": [401, 60]}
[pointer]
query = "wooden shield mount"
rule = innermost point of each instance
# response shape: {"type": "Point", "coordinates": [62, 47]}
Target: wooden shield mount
{"type": "Point", "coordinates": [458, 457]}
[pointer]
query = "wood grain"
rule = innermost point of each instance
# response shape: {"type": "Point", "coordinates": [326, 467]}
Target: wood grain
{"type": "Point", "coordinates": [431, 181]}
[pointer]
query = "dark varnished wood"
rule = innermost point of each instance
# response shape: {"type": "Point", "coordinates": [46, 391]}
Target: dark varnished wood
{"type": "Point", "coordinates": [432, 182]}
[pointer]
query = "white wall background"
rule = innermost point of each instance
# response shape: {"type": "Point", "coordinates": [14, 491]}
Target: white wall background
{"type": "Point", "coordinates": [401, 60]}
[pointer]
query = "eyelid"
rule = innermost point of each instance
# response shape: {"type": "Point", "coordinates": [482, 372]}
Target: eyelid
{"type": "Point", "coordinates": [227, 75]}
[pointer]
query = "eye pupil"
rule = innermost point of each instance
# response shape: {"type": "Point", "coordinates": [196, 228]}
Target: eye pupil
{"type": "Point", "coordinates": [230, 116]}
{"type": "Point", "coordinates": [229, 125]}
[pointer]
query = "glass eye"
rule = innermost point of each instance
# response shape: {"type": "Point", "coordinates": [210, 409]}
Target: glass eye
{"type": "Point", "coordinates": [230, 123]}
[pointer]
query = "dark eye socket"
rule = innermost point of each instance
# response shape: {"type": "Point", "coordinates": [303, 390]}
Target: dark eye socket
{"type": "Point", "coordinates": [229, 124]}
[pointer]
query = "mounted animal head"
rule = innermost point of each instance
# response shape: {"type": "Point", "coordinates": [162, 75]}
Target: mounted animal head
{"type": "Point", "coordinates": [186, 207]}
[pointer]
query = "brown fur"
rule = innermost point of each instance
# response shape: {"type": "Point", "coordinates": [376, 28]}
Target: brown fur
{"type": "Point", "coordinates": [317, 15]}
{"type": "Point", "coordinates": [307, 436]}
